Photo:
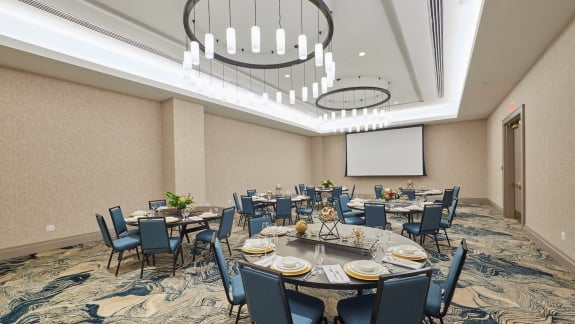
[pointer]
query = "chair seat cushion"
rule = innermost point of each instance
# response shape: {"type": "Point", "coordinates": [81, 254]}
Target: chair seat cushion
{"type": "Point", "coordinates": [355, 213]}
{"type": "Point", "coordinates": [304, 308]}
{"type": "Point", "coordinates": [354, 220]}
{"type": "Point", "coordinates": [444, 223]}
{"type": "Point", "coordinates": [205, 235]}
{"type": "Point", "coordinates": [130, 233]}
{"type": "Point", "coordinates": [237, 289]}
{"type": "Point", "coordinates": [174, 242]}
{"type": "Point", "coordinates": [433, 303]}
{"type": "Point", "coordinates": [356, 310]}
{"type": "Point", "coordinates": [412, 228]}
{"type": "Point", "coordinates": [126, 243]}
{"type": "Point", "coordinates": [303, 211]}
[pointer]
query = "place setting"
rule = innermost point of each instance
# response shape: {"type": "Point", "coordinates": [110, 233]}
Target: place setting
{"type": "Point", "coordinates": [407, 256]}
{"type": "Point", "coordinates": [258, 246]}
{"type": "Point", "coordinates": [290, 266]}
{"type": "Point", "coordinates": [275, 230]}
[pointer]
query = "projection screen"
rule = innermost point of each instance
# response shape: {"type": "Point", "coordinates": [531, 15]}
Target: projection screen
{"type": "Point", "coordinates": [389, 152]}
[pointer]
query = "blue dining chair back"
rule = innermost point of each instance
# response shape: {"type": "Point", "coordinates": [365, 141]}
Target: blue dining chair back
{"type": "Point", "coordinates": [306, 211]}
{"type": "Point", "coordinates": [410, 193]}
{"type": "Point", "coordinates": [233, 285]}
{"type": "Point", "coordinates": [377, 190]}
{"type": "Point", "coordinates": [222, 233]}
{"type": "Point", "coordinates": [439, 295]}
{"type": "Point", "coordinates": [283, 209]}
{"type": "Point", "coordinates": [335, 193]}
{"type": "Point", "coordinates": [255, 224]}
{"type": "Point", "coordinates": [346, 210]}
{"type": "Point", "coordinates": [251, 192]}
{"type": "Point", "coordinates": [269, 302]}
{"type": "Point", "coordinates": [296, 190]}
{"type": "Point", "coordinates": [446, 222]}
{"type": "Point", "coordinates": [117, 245]}
{"type": "Point", "coordinates": [154, 239]}
{"type": "Point", "coordinates": [429, 225]}
{"type": "Point", "coordinates": [375, 215]}
{"type": "Point", "coordinates": [399, 298]}
{"type": "Point", "coordinates": [119, 223]}
{"type": "Point", "coordinates": [313, 194]}
{"type": "Point", "coordinates": [455, 194]}
{"type": "Point", "coordinates": [446, 199]}
{"type": "Point", "coordinates": [346, 219]}
{"type": "Point", "coordinates": [301, 187]}
{"type": "Point", "coordinates": [155, 204]}
{"type": "Point", "coordinates": [248, 206]}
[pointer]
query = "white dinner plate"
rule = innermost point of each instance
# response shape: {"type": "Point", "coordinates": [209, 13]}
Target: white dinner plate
{"type": "Point", "coordinates": [360, 266]}
{"type": "Point", "coordinates": [290, 264]}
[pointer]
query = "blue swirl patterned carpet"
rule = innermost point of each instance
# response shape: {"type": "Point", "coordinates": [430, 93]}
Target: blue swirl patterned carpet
{"type": "Point", "coordinates": [506, 279]}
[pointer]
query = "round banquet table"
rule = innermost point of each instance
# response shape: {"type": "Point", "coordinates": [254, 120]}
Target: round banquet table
{"type": "Point", "coordinates": [336, 252]}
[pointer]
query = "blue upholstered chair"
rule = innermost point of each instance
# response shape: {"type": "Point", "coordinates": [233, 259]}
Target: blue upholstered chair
{"type": "Point", "coordinates": [352, 192]}
{"type": "Point", "coordinates": [439, 295]}
{"type": "Point", "coordinates": [346, 210]}
{"type": "Point", "coordinates": [410, 193]}
{"type": "Point", "coordinates": [378, 189]}
{"type": "Point", "coordinates": [399, 298]}
{"type": "Point", "coordinates": [446, 222]}
{"type": "Point", "coordinates": [335, 193]}
{"type": "Point", "coordinates": [446, 199]}
{"type": "Point", "coordinates": [154, 239]}
{"type": "Point", "coordinates": [154, 204]}
{"type": "Point", "coordinates": [249, 209]}
{"type": "Point", "coordinates": [269, 302]}
{"type": "Point", "coordinates": [233, 285]}
{"type": "Point", "coordinates": [429, 225]}
{"type": "Point", "coordinates": [375, 215]}
{"type": "Point", "coordinates": [347, 220]}
{"type": "Point", "coordinates": [283, 209]}
{"type": "Point", "coordinates": [239, 209]}
{"type": "Point", "coordinates": [222, 233]}
{"type": "Point", "coordinates": [313, 194]}
{"type": "Point", "coordinates": [301, 187]}
{"type": "Point", "coordinates": [296, 190]}
{"type": "Point", "coordinates": [119, 223]}
{"type": "Point", "coordinates": [455, 192]}
{"type": "Point", "coordinates": [255, 224]}
{"type": "Point", "coordinates": [251, 192]}
{"type": "Point", "coordinates": [118, 245]}
{"type": "Point", "coordinates": [306, 211]}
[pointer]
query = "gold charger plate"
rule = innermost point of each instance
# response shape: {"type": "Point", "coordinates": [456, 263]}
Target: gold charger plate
{"type": "Point", "coordinates": [294, 273]}
{"type": "Point", "coordinates": [282, 233]}
{"type": "Point", "coordinates": [257, 251]}
{"type": "Point", "coordinates": [347, 268]}
{"type": "Point", "coordinates": [409, 257]}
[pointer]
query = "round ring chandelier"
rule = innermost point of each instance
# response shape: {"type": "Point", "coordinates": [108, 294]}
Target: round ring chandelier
{"type": "Point", "coordinates": [288, 62]}
{"type": "Point", "coordinates": [350, 98]}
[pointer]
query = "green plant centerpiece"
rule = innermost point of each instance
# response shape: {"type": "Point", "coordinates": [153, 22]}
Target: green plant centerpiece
{"type": "Point", "coordinates": [327, 183]}
{"type": "Point", "coordinates": [180, 201]}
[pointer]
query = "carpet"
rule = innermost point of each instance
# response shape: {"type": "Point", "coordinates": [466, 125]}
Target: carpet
{"type": "Point", "coordinates": [506, 279]}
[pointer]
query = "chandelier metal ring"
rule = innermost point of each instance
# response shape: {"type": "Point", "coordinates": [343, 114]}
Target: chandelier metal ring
{"type": "Point", "coordinates": [322, 7]}
{"type": "Point", "coordinates": [385, 98]}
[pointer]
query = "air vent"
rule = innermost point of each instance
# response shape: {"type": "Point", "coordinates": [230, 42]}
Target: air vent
{"type": "Point", "coordinates": [101, 30]}
{"type": "Point", "coordinates": [436, 21]}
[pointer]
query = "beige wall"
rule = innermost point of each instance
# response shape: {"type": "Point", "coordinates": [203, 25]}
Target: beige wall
{"type": "Point", "coordinates": [69, 151]}
{"type": "Point", "coordinates": [454, 155]}
{"type": "Point", "coordinates": [548, 96]}
{"type": "Point", "coordinates": [241, 156]}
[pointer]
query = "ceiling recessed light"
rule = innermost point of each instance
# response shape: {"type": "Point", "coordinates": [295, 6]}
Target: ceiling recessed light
{"type": "Point", "coordinates": [361, 53]}
{"type": "Point", "coordinates": [395, 102]}
{"type": "Point", "coordinates": [287, 75]}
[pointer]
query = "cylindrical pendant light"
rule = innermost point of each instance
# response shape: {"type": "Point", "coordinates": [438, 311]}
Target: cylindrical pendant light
{"type": "Point", "coordinates": [292, 97]}
{"type": "Point", "coordinates": [231, 40]}
{"type": "Point", "coordinates": [318, 54]}
{"type": "Point", "coordinates": [280, 41]}
{"type": "Point", "coordinates": [187, 64]}
{"type": "Point", "coordinates": [314, 90]}
{"type": "Point", "coordinates": [279, 97]}
{"type": "Point", "coordinates": [323, 84]}
{"type": "Point", "coordinates": [304, 93]}
{"type": "Point", "coordinates": [256, 39]}
{"type": "Point", "coordinates": [195, 53]}
{"type": "Point", "coordinates": [209, 46]}
{"type": "Point", "coordinates": [302, 46]}
{"type": "Point", "coordinates": [328, 61]}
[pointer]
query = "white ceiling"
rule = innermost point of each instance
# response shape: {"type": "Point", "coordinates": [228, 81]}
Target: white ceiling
{"type": "Point", "coordinates": [512, 35]}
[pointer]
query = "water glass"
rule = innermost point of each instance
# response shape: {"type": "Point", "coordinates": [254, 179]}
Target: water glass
{"type": "Point", "coordinates": [319, 256]}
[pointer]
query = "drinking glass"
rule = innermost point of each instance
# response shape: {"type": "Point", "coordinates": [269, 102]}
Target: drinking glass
{"type": "Point", "coordinates": [319, 256]}
{"type": "Point", "coordinates": [216, 210]}
{"type": "Point", "coordinates": [374, 250]}
{"type": "Point", "coordinates": [186, 213]}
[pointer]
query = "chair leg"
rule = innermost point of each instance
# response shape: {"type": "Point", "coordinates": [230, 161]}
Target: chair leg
{"type": "Point", "coordinates": [239, 313]}
{"type": "Point", "coordinates": [436, 242]}
{"type": "Point", "coordinates": [110, 259]}
{"type": "Point", "coordinates": [174, 263]}
{"type": "Point", "coordinates": [195, 250]}
{"type": "Point", "coordinates": [446, 237]}
{"type": "Point", "coordinates": [182, 254]}
{"type": "Point", "coordinates": [228, 244]}
{"type": "Point", "coordinates": [119, 261]}
{"type": "Point", "coordinates": [144, 256]}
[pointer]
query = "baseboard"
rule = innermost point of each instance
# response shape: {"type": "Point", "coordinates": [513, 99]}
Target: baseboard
{"type": "Point", "coordinates": [32, 248]}
{"type": "Point", "coordinates": [556, 254]}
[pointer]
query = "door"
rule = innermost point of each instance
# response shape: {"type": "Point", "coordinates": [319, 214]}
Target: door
{"type": "Point", "coordinates": [513, 165]}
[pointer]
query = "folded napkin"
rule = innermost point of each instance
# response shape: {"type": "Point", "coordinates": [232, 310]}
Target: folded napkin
{"type": "Point", "coordinates": [403, 263]}
{"type": "Point", "coordinates": [399, 209]}
{"type": "Point", "coordinates": [196, 218]}
{"type": "Point", "coordinates": [335, 273]}
{"type": "Point", "coordinates": [171, 219]}
{"type": "Point", "coordinates": [266, 262]}
{"type": "Point", "coordinates": [139, 213]}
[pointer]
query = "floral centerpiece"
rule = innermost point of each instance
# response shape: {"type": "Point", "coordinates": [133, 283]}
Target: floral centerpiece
{"type": "Point", "coordinates": [180, 201]}
{"type": "Point", "coordinates": [327, 183]}
{"type": "Point", "coordinates": [388, 193]}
